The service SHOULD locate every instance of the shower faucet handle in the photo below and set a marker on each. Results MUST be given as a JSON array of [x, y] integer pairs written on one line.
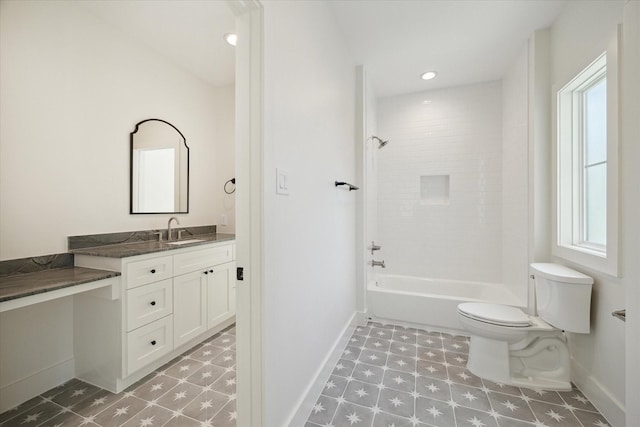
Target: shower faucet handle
[[374, 247], [378, 264]]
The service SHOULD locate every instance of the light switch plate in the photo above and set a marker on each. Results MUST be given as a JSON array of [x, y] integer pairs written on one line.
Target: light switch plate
[[282, 181]]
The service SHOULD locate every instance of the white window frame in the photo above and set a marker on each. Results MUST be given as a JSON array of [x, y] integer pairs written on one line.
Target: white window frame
[[568, 173]]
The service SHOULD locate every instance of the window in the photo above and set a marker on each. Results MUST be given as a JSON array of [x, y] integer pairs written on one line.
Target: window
[[586, 184], [594, 165]]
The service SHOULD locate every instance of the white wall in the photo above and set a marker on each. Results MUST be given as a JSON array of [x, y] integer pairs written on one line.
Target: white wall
[[309, 235], [630, 150], [225, 154], [458, 133], [72, 91], [581, 33], [515, 183]]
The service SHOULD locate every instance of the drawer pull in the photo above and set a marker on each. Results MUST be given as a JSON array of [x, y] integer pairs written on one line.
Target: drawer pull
[[152, 303], [153, 342], [153, 271]]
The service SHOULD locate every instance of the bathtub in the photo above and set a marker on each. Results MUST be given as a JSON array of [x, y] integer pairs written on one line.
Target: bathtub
[[429, 303]]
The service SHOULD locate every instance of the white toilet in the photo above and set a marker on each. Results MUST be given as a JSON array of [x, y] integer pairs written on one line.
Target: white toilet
[[511, 347]]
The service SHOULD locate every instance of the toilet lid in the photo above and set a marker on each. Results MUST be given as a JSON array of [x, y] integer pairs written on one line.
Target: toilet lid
[[496, 314]]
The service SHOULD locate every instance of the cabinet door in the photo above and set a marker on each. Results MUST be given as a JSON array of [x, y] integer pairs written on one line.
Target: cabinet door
[[218, 283], [189, 306]]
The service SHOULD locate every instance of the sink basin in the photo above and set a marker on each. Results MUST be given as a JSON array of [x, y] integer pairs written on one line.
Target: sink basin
[[185, 242]]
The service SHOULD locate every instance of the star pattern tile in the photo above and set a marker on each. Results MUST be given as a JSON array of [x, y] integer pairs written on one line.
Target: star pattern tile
[[196, 389], [387, 376], [391, 376]]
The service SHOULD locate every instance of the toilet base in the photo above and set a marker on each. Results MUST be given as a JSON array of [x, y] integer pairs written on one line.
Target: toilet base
[[541, 363]]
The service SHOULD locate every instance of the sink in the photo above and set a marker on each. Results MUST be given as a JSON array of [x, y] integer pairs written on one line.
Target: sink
[[185, 242]]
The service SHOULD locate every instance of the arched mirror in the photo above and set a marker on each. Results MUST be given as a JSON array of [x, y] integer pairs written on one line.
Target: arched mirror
[[159, 169]]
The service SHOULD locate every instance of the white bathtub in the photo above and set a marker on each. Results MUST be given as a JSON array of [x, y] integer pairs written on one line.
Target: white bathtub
[[430, 303]]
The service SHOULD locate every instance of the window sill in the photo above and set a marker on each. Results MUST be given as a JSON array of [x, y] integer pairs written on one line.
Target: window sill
[[590, 258], [590, 250]]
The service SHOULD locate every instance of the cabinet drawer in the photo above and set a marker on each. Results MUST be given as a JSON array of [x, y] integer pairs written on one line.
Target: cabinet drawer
[[149, 343], [201, 259], [149, 271], [148, 303]]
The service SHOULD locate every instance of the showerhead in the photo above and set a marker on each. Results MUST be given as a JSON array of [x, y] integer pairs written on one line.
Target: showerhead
[[381, 142]]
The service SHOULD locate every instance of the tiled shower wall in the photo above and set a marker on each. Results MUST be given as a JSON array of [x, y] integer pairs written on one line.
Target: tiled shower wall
[[453, 233]]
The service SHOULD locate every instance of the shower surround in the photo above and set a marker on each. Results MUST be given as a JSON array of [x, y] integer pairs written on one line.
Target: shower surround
[[426, 230], [452, 187]]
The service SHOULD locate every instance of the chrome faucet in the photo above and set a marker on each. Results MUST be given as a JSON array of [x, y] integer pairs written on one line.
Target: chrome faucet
[[374, 247], [377, 264], [169, 238]]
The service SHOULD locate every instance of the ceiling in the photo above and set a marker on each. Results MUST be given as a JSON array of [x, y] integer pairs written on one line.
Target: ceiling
[[465, 41], [188, 33]]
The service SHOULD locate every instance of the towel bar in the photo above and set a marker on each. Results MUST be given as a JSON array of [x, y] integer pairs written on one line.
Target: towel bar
[[346, 184]]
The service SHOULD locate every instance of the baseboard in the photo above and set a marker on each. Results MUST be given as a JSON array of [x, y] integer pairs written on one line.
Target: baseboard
[[605, 402], [306, 403], [11, 395], [459, 332]]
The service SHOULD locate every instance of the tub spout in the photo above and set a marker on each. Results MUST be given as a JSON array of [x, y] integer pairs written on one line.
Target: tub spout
[[378, 264]]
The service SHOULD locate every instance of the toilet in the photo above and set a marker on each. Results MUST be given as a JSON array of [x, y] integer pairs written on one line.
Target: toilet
[[511, 347]]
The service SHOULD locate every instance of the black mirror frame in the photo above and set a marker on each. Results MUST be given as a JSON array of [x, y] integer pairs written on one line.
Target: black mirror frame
[[184, 141]]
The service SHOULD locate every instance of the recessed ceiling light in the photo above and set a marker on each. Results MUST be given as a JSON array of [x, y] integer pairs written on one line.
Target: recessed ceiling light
[[428, 75], [231, 38]]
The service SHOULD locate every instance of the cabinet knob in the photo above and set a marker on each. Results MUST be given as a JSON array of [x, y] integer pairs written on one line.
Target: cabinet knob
[[153, 271], [153, 342], [206, 272], [210, 271], [153, 303]]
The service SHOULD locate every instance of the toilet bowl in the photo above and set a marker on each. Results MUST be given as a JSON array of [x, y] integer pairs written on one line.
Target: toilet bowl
[[509, 346]]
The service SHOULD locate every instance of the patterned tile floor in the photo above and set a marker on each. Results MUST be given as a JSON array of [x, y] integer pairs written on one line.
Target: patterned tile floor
[[390, 376], [196, 389]]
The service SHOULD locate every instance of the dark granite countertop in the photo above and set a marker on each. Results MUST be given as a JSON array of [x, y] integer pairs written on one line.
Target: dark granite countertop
[[125, 250], [22, 285]]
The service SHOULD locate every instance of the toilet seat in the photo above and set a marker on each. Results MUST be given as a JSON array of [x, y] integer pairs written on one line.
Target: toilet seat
[[495, 314]]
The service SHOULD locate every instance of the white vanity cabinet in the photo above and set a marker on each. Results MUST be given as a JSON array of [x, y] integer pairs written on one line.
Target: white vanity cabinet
[[171, 300]]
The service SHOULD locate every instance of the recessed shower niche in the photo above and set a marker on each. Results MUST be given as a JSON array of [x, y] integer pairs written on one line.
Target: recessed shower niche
[[434, 189]]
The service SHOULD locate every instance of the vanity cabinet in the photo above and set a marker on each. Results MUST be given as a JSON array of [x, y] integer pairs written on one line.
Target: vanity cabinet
[[171, 300]]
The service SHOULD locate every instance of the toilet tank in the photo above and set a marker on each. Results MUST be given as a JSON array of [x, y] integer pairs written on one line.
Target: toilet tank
[[563, 296]]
